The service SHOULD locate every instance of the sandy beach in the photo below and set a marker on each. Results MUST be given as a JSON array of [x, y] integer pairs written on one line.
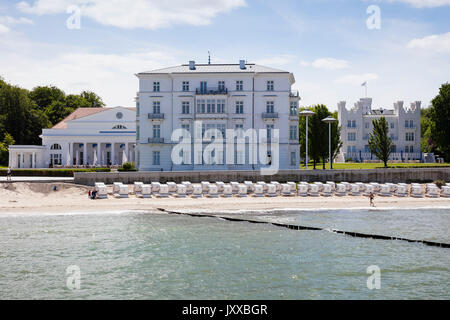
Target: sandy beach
[[40, 197]]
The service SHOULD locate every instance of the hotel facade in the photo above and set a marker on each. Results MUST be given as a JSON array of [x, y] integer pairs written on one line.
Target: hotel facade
[[356, 123], [205, 98]]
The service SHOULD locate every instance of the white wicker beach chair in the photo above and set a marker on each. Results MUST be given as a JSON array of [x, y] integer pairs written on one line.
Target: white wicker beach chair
[[277, 186], [227, 191], [172, 187], [320, 184], [332, 184], [293, 188], [271, 190], [303, 190], [263, 184], [402, 191], [341, 189], [220, 185], [235, 187], [123, 192], [155, 187], [205, 186], [189, 187], [116, 187], [445, 191], [368, 189], [326, 190], [181, 191], [163, 191], [138, 187], [416, 191], [259, 190], [213, 191], [313, 190], [285, 190], [102, 191], [354, 190], [432, 192], [146, 191], [250, 186], [197, 190], [385, 190], [242, 190]]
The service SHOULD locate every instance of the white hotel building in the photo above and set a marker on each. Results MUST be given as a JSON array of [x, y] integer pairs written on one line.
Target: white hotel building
[[87, 137], [221, 96], [356, 123]]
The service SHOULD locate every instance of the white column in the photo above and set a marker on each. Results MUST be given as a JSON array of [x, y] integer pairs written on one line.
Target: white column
[[71, 153], [126, 151], [33, 164], [22, 157], [99, 153], [85, 153], [113, 154]]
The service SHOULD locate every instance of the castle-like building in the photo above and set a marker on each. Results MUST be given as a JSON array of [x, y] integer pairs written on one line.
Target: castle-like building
[[356, 123]]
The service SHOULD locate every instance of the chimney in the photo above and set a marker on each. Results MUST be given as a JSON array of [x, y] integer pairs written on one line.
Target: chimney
[[191, 65], [242, 64]]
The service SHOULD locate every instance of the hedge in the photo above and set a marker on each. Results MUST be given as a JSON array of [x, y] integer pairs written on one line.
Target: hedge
[[50, 172]]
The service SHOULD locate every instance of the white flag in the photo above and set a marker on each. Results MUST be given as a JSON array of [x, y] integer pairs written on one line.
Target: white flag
[[364, 84]]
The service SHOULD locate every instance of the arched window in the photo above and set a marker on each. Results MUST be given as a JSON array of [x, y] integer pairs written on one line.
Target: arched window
[[55, 147], [119, 126]]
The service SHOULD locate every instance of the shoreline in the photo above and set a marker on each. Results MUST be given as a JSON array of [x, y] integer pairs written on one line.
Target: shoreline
[[70, 198]]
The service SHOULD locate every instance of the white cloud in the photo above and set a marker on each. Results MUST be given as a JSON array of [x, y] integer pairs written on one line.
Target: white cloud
[[148, 14], [326, 63], [439, 43], [279, 60], [3, 29], [357, 79], [7, 20], [424, 3]]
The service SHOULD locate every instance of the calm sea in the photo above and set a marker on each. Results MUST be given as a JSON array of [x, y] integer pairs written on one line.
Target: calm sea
[[138, 255]]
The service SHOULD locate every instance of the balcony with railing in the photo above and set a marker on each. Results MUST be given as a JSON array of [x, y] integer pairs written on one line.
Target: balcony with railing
[[270, 115], [159, 116], [211, 91], [155, 140], [294, 94]]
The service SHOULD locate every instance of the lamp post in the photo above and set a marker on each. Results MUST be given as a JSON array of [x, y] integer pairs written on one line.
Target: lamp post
[[329, 120], [307, 114]]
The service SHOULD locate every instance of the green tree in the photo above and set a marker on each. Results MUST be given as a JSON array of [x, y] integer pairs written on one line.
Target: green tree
[[427, 144], [380, 144], [57, 111], [44, 96], [4, 148], [94, 100], [440, 121]]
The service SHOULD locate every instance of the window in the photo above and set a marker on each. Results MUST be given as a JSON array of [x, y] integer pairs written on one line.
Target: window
[[185, 107], [269, 128], [351, 124], [203, 86], [354, 149], [186, 127], [156, 107], [270, 106], [407, 149], [137, 133], [239, 130], [56, 159], [239, 107], [119, 126], [349, 149], [366, 148], [293, 108], [409, 136], [392, 125], [211, 106], [394, 148], [55, 147], [156, 158], [366, 125], [411, 149], [156, 86], [221, 106], [270, 85], [221, 85], [239, 85], [201, 106], [411, 124], [156, 131], [137, 109], [185, 86], [293, 158], [293, 132], [351, 136]]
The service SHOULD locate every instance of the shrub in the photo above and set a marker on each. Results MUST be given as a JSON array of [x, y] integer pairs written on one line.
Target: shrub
[[439, 183], [128, 166], [50, 172]]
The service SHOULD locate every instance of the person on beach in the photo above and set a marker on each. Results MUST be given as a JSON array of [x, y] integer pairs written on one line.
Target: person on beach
[[8, 174], [371, 197], [94, 194], [89, 194]]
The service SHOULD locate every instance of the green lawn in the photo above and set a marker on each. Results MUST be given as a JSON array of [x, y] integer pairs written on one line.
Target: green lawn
[[354, 165]]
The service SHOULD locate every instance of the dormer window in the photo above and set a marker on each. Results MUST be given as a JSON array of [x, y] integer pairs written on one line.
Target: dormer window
[[119, 127]]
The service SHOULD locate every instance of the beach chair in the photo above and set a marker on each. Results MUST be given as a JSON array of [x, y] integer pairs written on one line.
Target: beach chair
[[263, 184], [332, 184], [172, 187], [392, 186], [250, 187], [102, 191], [271, 190], [220, 186], [401, 191], [432, 192], [259, 191], [213, 191], [138, 187], [313, 190], [277, 186], [303, 190], [326, 190], [368, 189], [227, 191], [242, 190], [116, 187], [155, 187], [362, 187], [348, 186], [181, 191], [445, 191], [354, 189], [293, 188], [146, 191], [416, 191], [189, 187], [205, 186], [123, 191], [320, 185], [385, 190], [341, 189], [376, 187], [235, 187], [163, 191], [197, 190], [285, 190]]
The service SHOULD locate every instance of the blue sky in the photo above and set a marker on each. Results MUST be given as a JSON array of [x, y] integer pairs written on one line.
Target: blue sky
[[325, 43]]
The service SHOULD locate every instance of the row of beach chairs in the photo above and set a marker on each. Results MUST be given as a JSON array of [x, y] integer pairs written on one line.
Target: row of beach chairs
[[272, 189]]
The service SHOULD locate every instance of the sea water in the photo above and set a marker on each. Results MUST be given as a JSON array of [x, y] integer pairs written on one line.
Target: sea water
[[141, 255]]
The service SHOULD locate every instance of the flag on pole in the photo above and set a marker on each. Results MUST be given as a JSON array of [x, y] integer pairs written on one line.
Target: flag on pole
[[124, 157], [95, 158], [364, 84]]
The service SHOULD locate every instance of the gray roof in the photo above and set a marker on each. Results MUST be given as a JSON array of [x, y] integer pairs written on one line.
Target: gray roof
[[216, 68]]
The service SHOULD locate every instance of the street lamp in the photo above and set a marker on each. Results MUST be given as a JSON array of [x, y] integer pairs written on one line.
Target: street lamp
[[330, 121], [307, 114]]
